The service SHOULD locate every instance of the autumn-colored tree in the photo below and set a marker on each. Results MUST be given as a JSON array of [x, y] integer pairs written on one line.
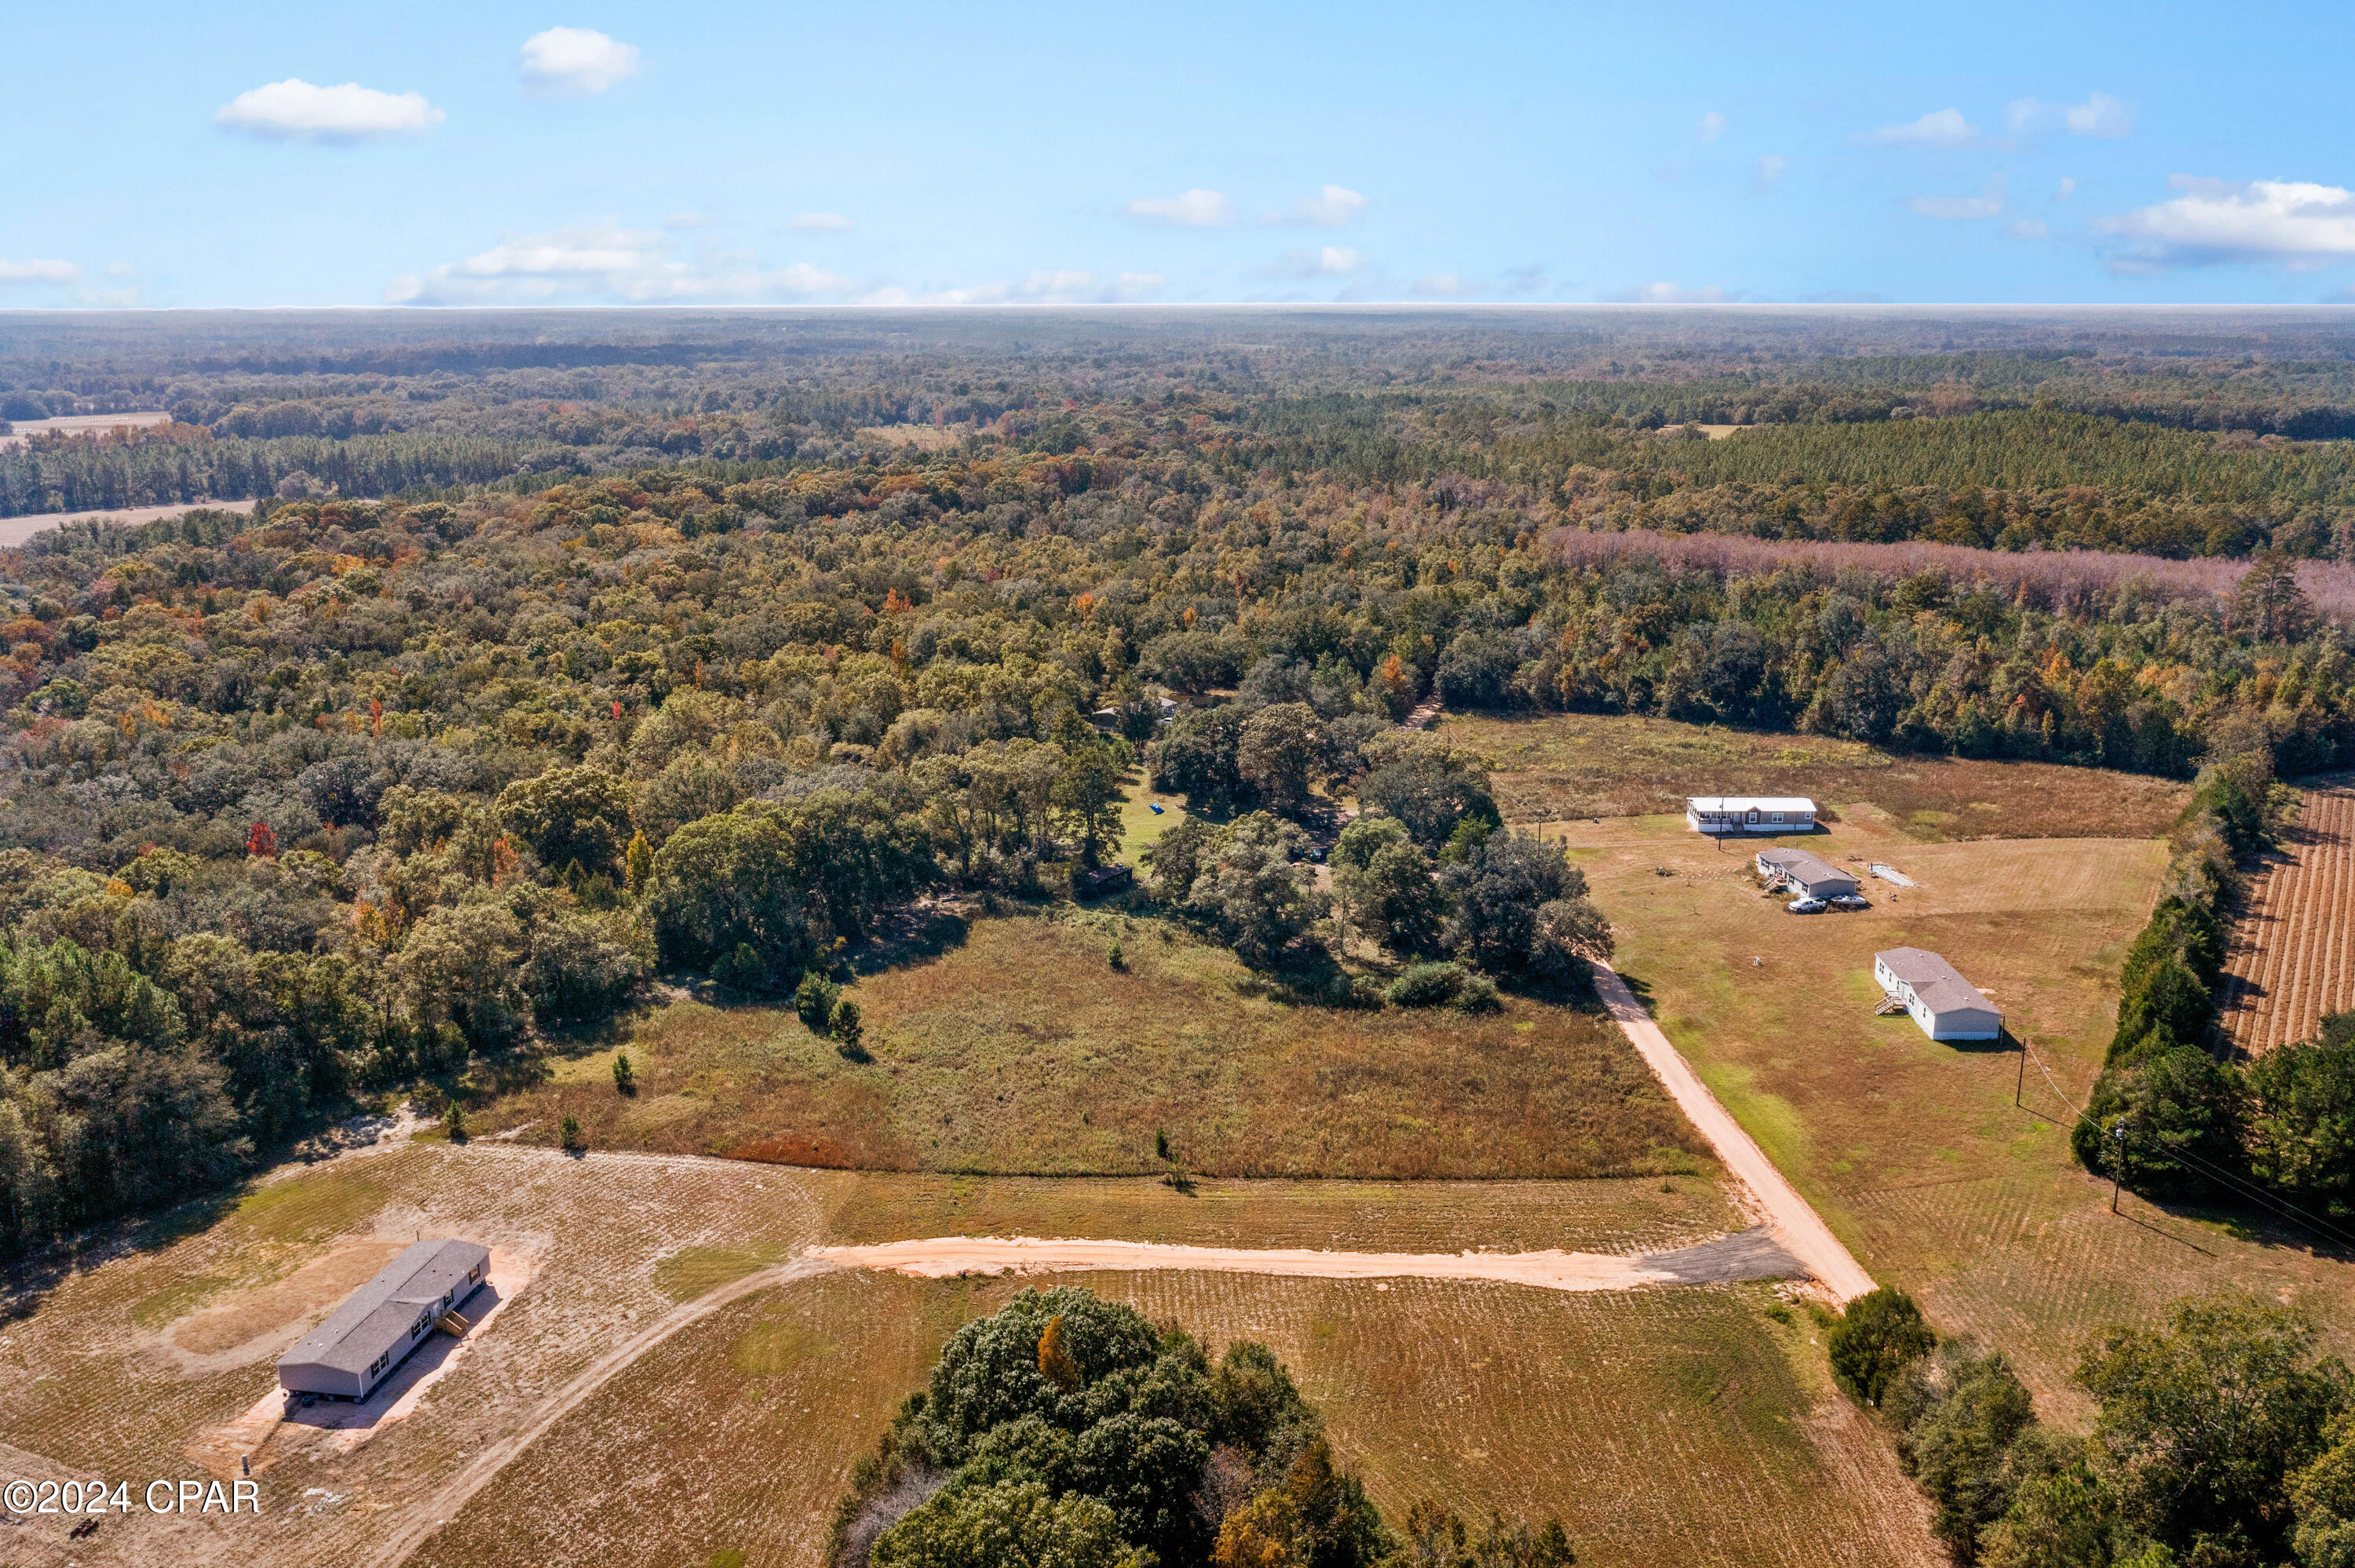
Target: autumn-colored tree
[[1055, 1362], [260, 842]]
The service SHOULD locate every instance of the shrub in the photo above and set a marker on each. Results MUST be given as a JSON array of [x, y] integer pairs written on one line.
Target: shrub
[[1873, 1341], [814, 1001], [1116, 958], [453, 1121], [1427, 985], [741, 969], [625, 1079], [1478, 995], [567, 1134], [849, 1032]]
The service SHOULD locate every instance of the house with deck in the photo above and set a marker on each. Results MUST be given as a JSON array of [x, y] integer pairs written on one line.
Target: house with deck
[[1750, 814], [1936, 995], [377, 1326]]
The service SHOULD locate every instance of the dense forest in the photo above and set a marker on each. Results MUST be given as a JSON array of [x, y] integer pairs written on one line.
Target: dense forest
[[309, 805], [2216, 434]]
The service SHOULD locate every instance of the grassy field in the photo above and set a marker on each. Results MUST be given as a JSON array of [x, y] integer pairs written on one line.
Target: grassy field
[[1913, 1151], [1664, 1429], [1672, 1426], [1022, 1050], [1558, 766]]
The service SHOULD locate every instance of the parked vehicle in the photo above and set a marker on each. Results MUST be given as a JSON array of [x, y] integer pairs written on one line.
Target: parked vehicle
[[1805, 907], [1850, 901]]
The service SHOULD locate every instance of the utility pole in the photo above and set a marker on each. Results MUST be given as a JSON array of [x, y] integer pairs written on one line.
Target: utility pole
[[2117, 1163], [2020, 1089]]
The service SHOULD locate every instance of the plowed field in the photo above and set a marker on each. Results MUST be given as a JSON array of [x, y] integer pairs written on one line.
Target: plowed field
[[2293, 957]]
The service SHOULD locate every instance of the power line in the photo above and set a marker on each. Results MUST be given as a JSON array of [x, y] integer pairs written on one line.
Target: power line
[[2196, 1165]]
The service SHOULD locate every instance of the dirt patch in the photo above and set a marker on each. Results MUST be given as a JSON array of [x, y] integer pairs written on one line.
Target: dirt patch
[[314, 1289]]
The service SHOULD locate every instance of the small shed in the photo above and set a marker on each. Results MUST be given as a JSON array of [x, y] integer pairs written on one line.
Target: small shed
[[378, 1324], [1936, 996], [1750, 814], [1811, 875], [1102, 879]]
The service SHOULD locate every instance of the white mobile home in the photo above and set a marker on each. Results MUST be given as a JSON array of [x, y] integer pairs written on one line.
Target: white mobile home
[[1941, 1000], [1750, 814], [1810, 874], [378, 1324]]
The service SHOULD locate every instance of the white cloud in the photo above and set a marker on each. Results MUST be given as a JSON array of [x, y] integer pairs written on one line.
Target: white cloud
[[38, 271], [118, 269], [2296, 223], [1940, 128], [2063, 191], [576, 62], [2100, 116], [1712, 126], [295, 110], [1330, 208], [1671, 294], [1187, 209], [605, 260], [1047, 286], [1325, 261], [1768, 169], [1988, 203], [1439, 285], [2028, 229], [819, 223]]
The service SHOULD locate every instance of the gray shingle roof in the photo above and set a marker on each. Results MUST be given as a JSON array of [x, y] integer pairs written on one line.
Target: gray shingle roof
[[1807, 868], [379, 1315], [1937, 982]]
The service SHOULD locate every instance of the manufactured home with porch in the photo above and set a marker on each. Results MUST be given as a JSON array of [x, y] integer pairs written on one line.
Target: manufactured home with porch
[[1812, 876], [1750, 814], [1935, 996], [378, 1324]]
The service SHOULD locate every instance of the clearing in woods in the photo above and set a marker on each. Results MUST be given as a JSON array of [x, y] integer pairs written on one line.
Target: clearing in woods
[[2293, 955], [1019, 1050], [1668, 1424], [1560, 766], [1914, 1151]]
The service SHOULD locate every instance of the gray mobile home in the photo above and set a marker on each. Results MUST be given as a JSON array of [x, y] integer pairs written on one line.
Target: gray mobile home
[[1936, 996], [378, 1324], [1811, 875]]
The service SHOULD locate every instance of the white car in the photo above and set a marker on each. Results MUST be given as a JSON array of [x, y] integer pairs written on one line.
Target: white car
[[1805, 907], [1850, 901]]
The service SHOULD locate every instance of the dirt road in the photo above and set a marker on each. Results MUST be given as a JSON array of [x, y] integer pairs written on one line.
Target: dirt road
[[1794, 1222], [1752, 1256], [14, 531], [425, 1518]]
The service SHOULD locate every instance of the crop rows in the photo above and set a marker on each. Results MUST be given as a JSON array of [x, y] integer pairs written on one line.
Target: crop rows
[[2293, 957]]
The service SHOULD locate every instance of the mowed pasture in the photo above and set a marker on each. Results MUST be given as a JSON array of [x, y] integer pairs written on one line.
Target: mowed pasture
[[1687, 1425], [2293, 956], [1558, 768], [1913, 1151], [1021, 1051]]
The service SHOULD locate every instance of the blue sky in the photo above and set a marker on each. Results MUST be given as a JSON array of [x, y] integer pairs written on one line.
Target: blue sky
[[732, 153]]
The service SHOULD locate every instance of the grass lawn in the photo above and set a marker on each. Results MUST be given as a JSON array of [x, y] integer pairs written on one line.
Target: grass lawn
[[1021, 1051], [1913, 1151], [1552, 768]]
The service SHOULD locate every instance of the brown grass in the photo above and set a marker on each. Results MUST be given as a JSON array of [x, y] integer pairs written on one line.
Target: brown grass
[[311, 1288], [1562, 767], [1664, 1428], [1665, 1425], [2293, 954], [1914, 1151], [1022, 1050]]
